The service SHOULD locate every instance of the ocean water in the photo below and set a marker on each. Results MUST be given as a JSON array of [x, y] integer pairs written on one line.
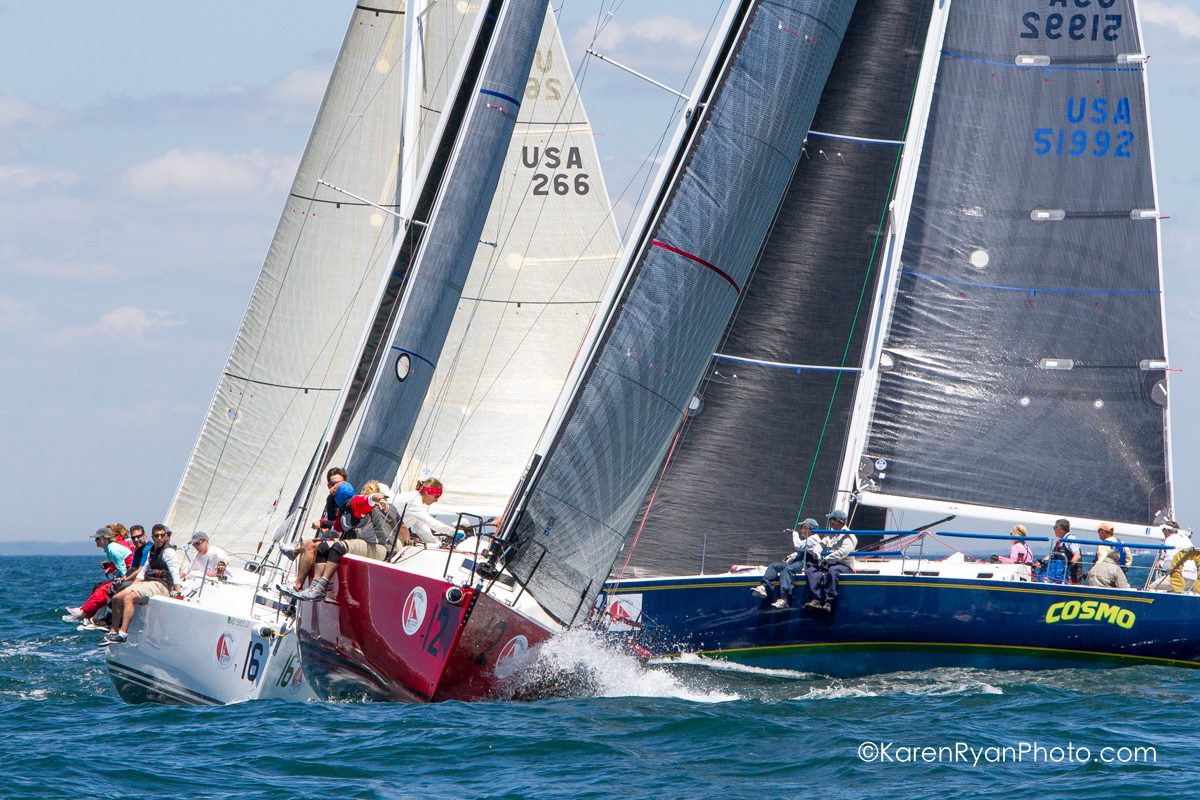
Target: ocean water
[[688, 729]]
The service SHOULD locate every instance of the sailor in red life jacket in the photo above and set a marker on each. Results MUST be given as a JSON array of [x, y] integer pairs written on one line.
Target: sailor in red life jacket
[[350, 525]]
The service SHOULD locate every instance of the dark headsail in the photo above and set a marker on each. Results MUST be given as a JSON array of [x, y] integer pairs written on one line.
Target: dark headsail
[[765, 440]]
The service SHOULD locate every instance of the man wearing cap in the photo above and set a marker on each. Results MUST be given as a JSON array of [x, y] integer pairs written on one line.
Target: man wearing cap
[[806, 552], [207, 557], [835, 561], [1108, 534], [1179, 542], [1106, 573]]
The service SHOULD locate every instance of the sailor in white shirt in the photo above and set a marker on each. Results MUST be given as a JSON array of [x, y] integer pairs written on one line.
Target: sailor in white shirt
[[206, 559], [416, 507], [1179, 541]]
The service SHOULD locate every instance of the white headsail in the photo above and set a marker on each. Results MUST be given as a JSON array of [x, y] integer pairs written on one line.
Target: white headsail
[[301, 331]]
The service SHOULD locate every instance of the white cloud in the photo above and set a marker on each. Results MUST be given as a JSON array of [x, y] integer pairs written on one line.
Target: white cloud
[[207, 172], [17, 314], [23, 176], [659, 45], [127, 323], [1181, 18], [301, 87], [658, 30], [18, 113]]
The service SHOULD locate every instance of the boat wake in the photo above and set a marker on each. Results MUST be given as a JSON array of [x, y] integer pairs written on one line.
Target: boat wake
[[931, 683], [581, 663], [720, 665]]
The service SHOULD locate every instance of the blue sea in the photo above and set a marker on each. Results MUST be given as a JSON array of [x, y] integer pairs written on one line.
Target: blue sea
[[696, 729]]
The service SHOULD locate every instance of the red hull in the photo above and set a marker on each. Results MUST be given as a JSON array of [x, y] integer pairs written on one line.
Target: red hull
[[391, 634]]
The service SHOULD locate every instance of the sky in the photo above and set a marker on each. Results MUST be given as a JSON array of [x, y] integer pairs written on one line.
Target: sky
[[145, 154]]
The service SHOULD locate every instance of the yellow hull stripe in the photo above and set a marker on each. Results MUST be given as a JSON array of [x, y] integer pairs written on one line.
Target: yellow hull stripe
[[836, 646], [998, 587]]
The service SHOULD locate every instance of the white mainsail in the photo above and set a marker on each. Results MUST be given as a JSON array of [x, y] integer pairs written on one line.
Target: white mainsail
[[301, 331]]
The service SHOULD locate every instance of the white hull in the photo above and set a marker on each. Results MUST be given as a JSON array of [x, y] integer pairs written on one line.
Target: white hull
[[219, 647]]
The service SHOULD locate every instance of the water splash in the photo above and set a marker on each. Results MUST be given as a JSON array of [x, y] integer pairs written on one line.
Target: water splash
[[583, 663], [721, 665]]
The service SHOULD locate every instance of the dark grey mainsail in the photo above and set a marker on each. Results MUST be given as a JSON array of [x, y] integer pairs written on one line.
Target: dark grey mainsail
[[764, 442], [693, 256], [1025, 362], [435, 282]]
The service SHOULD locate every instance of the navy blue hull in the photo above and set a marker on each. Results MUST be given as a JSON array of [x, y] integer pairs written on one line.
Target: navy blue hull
[[886, 623]]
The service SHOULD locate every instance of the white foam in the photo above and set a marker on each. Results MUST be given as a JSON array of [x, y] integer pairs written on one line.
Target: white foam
[[937, 683], [721, 665], [611, 671]]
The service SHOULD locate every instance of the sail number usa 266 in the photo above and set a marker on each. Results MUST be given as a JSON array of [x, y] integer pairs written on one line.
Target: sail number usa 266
[[564, 176]]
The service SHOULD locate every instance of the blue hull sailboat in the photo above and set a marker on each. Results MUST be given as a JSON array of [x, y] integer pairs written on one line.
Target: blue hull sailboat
[[958, 311]]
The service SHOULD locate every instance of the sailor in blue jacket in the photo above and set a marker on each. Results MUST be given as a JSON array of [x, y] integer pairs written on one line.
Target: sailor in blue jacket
[[806, 553]]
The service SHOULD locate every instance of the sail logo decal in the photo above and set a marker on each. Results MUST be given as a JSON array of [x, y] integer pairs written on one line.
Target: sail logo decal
[[414, 610], [624, 612], [512, 656], [1083, 610], [224, 651]]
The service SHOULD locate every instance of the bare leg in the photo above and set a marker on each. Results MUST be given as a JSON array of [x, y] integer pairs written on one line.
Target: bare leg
[[304, 561], [118, 602], [129, 606]]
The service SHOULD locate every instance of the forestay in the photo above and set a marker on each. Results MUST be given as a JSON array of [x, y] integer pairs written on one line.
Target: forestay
[[301, 331], [764, 438], [549, 246], [713, 211], [1024, 367]]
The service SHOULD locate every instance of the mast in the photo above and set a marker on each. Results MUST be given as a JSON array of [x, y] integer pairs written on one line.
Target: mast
[[442, 253], [897, 227], [549, 246]]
